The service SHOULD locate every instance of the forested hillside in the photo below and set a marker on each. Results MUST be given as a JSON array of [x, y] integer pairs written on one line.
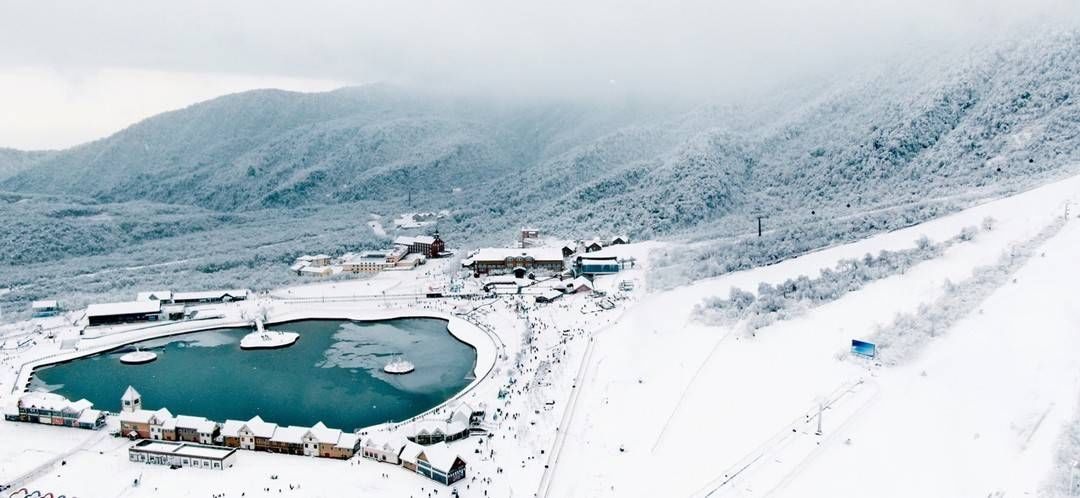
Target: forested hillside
[[990, 120], [13, 161]]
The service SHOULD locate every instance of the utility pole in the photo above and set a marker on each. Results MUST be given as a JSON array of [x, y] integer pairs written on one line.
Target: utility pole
[[1073, 484], [759, 225], [820, 411]]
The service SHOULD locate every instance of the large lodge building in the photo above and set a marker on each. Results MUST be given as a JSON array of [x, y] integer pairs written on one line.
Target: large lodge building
[[497, 261]]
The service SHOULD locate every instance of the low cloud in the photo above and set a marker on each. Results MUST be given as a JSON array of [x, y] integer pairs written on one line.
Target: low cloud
[[684, 49]]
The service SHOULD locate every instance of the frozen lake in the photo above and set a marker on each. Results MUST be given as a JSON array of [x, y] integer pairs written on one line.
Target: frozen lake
[[332, 374]]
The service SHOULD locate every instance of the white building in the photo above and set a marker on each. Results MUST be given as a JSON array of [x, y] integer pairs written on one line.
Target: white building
[[123, 312], [182, 454], [383, 447], [212, 296], [367, 262]]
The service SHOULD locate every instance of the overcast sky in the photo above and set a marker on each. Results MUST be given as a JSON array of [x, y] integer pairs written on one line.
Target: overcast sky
[[76, 71]]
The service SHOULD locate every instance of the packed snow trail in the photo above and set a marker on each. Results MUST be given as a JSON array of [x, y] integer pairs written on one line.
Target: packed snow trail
[[708, 418], [780, 454], [980, 411], [568, 413]]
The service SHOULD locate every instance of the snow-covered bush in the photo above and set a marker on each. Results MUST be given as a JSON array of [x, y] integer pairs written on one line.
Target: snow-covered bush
[[790, 297], [905, 336], [1064, 473]]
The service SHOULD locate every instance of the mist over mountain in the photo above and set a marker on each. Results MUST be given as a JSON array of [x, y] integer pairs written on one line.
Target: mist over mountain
[[948, 126], [13, 161]]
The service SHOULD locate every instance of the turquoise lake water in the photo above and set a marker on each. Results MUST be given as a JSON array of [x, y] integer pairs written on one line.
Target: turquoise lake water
[[332, 374]]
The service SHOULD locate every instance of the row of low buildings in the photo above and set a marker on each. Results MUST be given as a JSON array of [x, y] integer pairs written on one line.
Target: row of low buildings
[[407, 252], [530, 237], [375, 261], [158, 305], [421, 445], [186, 441], [316, 441], [543, 260], [254, 434], [575, 257], [54, 409], [422, 449], [137, 422]]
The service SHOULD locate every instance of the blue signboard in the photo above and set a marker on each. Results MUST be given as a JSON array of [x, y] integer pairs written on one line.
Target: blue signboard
[[867, 349]]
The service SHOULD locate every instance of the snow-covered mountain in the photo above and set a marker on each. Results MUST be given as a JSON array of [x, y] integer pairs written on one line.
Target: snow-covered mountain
[[1001, 118]]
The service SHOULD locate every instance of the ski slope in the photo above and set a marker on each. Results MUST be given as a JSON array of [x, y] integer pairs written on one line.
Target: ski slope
[[673, 407]]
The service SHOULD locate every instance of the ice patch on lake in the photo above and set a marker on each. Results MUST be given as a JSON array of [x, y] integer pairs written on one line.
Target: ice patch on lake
[[210, 339], [37, 385], [370, 346], [365, 347]]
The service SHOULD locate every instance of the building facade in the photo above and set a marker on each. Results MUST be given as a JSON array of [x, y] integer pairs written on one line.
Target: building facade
[[182, 455], [124, 312], [500, 261], [53, 409], [597, 263]]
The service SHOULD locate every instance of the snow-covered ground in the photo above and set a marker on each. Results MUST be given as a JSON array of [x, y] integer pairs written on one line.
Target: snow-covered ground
[[521, 347], [376, 225], [690, 406], [644, 400]]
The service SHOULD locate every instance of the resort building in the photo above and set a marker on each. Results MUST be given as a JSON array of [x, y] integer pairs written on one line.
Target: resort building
[[409, 452], [191, 429], [436, 462], [125, 312], [579, 285], [431, 246], [320, 440], [597, 263], [230, 434], [53, 409], [319, 260], [43, 309], [396, 254], [254, 434], [619, 240], [314, 271], [436, 430], [549, 295], [213, 296], [530, 237], [569, 248], [161, 424], [182, 455], [347, 446], [594, 246], [371, 261], [288, 440], [383, 447], [518, 261], [136, 422]]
